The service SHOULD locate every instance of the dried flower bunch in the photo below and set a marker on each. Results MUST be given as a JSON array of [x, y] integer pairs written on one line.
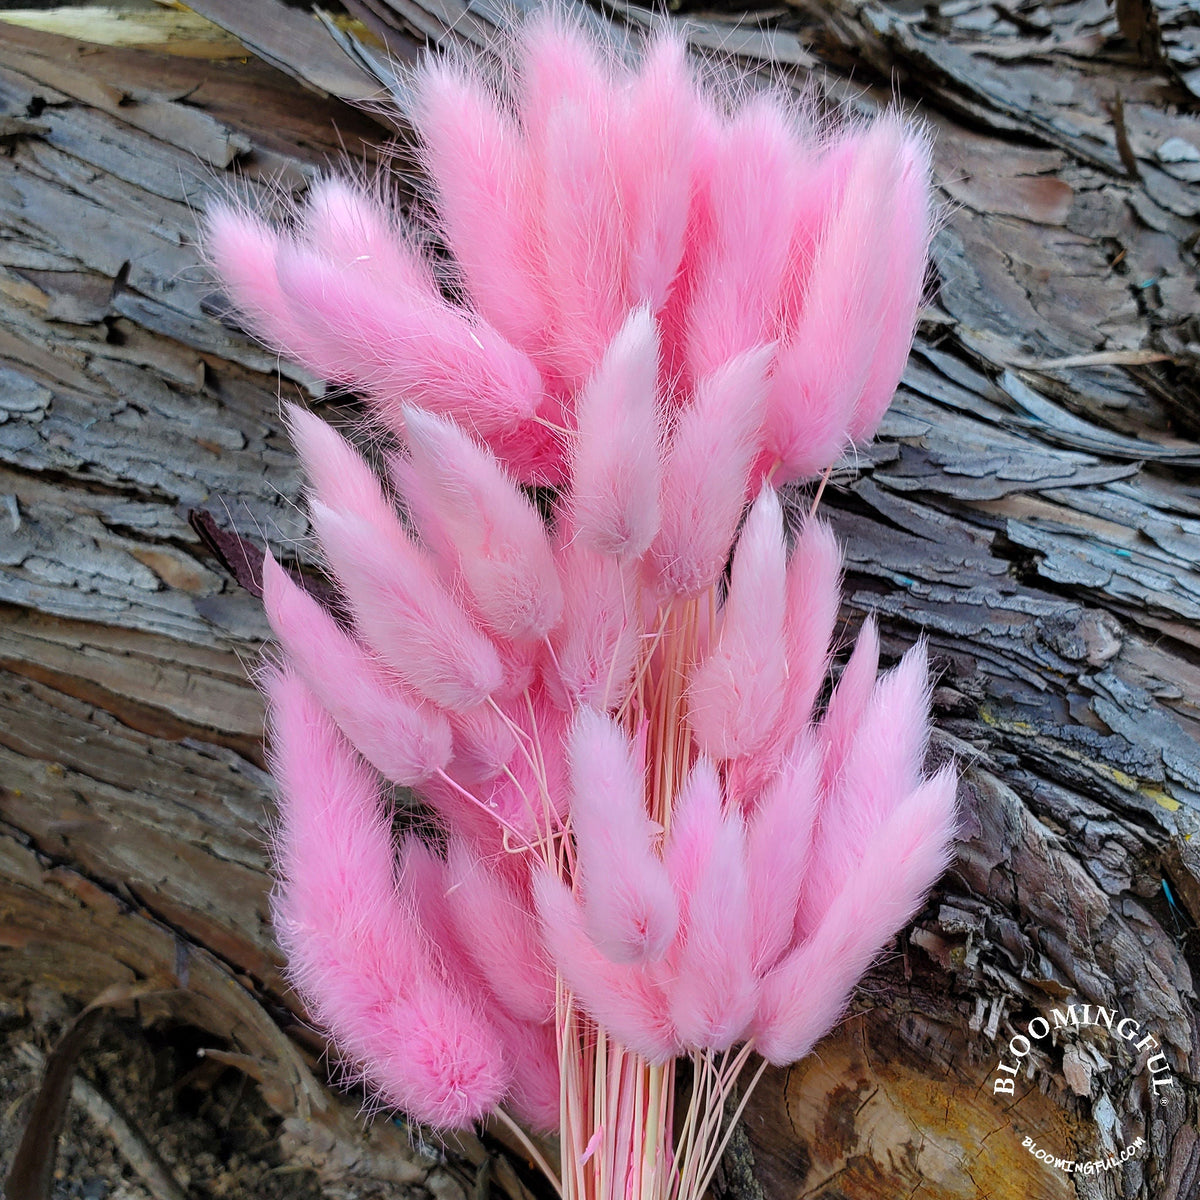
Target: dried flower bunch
[[650, 845]]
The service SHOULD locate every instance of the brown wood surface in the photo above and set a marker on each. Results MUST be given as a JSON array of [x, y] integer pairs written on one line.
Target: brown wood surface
[[1033, 506]]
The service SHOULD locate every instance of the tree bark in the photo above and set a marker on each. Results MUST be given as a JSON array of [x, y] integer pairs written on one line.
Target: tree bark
[[1031, 508]]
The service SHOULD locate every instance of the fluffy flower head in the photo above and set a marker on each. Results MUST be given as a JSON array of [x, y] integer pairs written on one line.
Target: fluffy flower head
[[665, 306]]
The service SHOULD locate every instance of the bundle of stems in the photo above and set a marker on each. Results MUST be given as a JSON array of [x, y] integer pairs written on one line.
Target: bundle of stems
[[573, 619], [618, 1127]]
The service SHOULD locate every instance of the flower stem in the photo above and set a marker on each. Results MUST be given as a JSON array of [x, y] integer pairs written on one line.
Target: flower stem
[[618, 1137]]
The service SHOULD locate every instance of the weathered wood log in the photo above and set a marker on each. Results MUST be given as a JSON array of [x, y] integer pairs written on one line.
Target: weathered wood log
[[1031, 507]]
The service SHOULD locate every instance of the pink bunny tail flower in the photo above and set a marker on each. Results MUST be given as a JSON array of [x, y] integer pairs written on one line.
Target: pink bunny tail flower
[[355, 232], [596, 643], [890, 742], [813, 596], [735, 694], [657, 165], [850, 309], [625, 998], [848, 703], [478, 162], [338, 476], [712, 986], [752, 193], [441, 1061], [484, 744], [903, 277], [779, 846], [331, 822], [570, 109], [242, 249], [629, 906], [404, 344], [705, 480], [404, 739], [421, 889], [499, 928], [803, 997], [404, 612], [534, 1094], [502, 548], [616, 466], [882, 766], [363, 966]]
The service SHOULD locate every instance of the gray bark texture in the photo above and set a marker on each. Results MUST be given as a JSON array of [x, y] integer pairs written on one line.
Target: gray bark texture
[[1032, 507]]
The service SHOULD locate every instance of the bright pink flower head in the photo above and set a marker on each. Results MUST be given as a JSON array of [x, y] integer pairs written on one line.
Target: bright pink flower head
[[666, 305], [612, 189]]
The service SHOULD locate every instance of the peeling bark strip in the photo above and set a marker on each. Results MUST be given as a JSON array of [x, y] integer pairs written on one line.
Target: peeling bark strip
[[1031, 507]]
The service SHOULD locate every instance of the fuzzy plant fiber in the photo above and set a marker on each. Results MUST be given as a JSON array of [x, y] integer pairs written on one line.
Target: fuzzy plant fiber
[[660, 304]]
